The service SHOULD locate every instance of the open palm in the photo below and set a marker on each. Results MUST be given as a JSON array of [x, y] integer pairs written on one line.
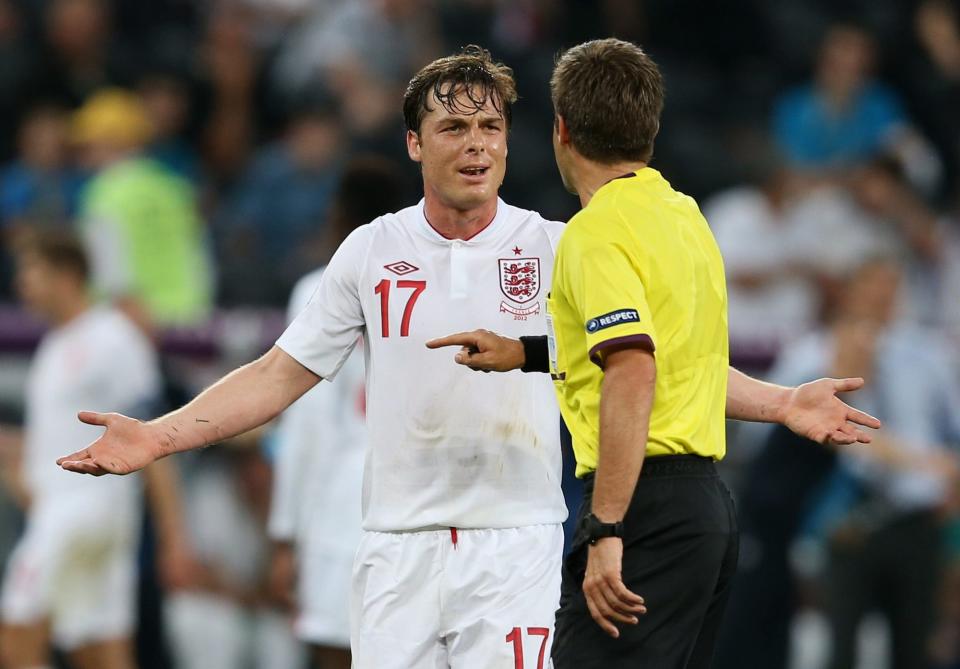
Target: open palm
[[126, 446], [814, 411]]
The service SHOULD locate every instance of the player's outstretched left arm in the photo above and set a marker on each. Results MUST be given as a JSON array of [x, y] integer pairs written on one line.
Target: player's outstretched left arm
[[242, 400], [811, 410]]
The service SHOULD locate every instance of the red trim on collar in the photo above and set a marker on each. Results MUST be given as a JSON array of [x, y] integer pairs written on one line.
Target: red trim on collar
[[466, 239]]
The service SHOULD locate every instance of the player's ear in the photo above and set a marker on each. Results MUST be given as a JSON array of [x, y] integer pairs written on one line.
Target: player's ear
[[413, 146]]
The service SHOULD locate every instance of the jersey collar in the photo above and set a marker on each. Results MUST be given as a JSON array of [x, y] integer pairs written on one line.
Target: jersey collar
[[644, 174], [481, 237]]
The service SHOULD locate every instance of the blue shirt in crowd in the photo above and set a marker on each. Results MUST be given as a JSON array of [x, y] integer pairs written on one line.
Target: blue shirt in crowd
[[812, 135]]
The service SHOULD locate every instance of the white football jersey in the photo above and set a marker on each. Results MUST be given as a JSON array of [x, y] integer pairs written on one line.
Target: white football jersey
[[449, 447], [99, 361]]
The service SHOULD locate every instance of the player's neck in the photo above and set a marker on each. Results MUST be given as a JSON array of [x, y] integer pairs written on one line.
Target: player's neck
[[590, 176], [68, 311], [455, 223]]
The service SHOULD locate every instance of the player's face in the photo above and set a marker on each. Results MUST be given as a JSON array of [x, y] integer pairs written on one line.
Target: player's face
[[463, 153]]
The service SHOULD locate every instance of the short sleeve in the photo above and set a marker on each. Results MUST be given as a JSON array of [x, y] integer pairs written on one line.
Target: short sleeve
[[608, 293], [322, 336]]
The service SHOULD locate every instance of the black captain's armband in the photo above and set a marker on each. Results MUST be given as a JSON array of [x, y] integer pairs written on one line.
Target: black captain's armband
[[536, 357]]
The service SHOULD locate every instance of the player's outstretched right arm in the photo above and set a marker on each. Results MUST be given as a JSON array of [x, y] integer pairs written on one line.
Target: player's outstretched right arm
[[242, 400]]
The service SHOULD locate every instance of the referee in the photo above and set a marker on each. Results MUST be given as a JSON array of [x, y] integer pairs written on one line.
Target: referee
[[638, 351], [639, 316]]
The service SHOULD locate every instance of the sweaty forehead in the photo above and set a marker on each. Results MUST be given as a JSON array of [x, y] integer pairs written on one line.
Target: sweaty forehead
[[452, 100]]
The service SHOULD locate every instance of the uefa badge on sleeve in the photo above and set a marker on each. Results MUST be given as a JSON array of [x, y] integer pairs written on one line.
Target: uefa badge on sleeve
[[611, 319]]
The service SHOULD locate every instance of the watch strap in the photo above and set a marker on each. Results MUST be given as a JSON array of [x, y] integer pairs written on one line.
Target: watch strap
[[597, 529]]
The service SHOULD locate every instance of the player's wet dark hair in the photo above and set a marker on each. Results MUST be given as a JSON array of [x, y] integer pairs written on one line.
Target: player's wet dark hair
[[472, 72], [610, 95]]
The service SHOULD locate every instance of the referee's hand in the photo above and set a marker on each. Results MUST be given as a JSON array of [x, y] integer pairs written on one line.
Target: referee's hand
[[814, 411], [607, 597], [483, 350]]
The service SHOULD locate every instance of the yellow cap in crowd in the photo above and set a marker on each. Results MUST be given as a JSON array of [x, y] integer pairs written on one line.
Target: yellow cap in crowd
[[112, 115]]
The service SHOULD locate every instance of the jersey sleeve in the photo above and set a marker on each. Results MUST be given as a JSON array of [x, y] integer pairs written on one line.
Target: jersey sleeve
[[607, 292], [324, 333]]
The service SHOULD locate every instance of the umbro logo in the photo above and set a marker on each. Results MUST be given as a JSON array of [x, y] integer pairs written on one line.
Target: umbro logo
[[401, 268]]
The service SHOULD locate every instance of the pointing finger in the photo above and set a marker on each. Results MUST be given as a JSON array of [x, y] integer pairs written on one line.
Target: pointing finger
[[459, 339]]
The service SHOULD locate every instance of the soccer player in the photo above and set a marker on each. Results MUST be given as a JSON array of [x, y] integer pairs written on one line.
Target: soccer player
[[637, 347], [459, 563], [321, 443], [71, 580]]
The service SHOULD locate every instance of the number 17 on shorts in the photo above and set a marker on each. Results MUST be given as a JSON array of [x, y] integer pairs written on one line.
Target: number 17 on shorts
[[516, 638]]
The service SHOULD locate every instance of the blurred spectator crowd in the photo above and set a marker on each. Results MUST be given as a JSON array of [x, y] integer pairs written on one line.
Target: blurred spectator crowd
[[195, 147]]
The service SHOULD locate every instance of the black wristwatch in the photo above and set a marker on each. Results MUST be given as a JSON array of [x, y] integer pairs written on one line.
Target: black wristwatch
[[597, 529]]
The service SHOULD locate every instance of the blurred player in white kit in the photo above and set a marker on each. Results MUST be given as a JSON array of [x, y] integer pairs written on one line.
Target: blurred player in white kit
[[321, 443], [459, 561], [71, 580]]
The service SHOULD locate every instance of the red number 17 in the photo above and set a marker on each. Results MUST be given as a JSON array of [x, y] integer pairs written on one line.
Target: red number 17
[[383, 290], [516, 637]]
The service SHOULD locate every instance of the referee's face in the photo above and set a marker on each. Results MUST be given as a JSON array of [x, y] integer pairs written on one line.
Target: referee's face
[[462, 148]]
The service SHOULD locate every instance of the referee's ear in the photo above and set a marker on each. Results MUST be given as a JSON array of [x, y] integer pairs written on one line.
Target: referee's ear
[[561, 129]]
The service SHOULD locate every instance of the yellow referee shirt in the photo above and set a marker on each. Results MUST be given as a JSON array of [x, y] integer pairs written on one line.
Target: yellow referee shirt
[[639, 265]]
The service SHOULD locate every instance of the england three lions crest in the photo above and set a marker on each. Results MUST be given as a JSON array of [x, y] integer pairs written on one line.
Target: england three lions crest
[[520, 278]]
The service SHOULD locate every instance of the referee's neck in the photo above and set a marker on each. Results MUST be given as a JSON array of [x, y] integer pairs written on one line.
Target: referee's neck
[[589, 176]]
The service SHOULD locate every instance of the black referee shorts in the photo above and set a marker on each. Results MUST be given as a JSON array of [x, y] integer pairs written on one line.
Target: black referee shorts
[[680, 553]]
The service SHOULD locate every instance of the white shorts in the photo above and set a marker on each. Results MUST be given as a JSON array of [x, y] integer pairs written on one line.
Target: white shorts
[[323, 597], [421, 601], [76, 567]]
